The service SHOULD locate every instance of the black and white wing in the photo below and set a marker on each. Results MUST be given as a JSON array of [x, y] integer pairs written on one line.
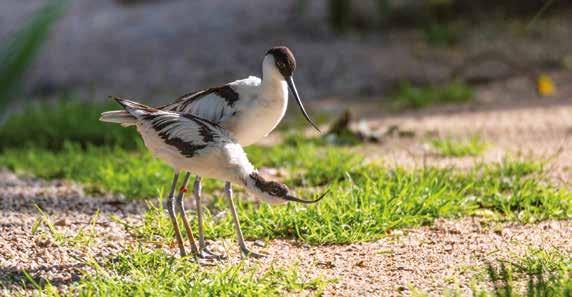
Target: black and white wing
[[189, 134], [214, 104]]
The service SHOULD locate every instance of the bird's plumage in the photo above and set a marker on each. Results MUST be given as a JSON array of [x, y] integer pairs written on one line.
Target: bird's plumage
[[188, 142], [203, 132], [249, 109], [234, 106], [191, 143]]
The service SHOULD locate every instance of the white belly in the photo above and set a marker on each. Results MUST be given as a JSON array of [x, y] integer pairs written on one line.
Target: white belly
[[219, 161]]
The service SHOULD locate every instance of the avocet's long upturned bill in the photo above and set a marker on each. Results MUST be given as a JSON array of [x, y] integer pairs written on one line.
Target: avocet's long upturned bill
[[248, 109], [190, 143]]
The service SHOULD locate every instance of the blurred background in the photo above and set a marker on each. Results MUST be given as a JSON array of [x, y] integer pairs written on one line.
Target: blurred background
[[155, 50], [357, 60]]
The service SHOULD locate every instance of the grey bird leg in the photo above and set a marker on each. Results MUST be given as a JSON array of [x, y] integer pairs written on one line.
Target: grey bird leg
[[204, 252], [241, 243], [181, 208], [171, 209]]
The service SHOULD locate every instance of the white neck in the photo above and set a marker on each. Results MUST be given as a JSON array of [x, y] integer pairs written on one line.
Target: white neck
[[271, 76]]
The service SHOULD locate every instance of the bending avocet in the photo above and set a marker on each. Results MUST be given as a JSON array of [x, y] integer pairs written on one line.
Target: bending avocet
[[190, 143], [249, 109]]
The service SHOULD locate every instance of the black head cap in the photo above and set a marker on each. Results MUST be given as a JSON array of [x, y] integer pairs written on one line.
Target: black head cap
[[284, 60]]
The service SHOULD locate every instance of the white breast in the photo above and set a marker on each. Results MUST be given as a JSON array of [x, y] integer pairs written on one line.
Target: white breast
[[258, 114]]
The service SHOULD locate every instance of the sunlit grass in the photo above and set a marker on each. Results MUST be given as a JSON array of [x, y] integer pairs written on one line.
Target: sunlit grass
[[538, 273], [366, 199], [51, 126], [410, 96], [450, 147], [141, 272]]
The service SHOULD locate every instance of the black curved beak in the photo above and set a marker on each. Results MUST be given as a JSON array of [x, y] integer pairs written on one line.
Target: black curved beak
[[296, 199], [292, 86]]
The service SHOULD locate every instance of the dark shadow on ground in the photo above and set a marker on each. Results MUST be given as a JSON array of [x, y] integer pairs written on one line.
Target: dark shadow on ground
[[12, 278]]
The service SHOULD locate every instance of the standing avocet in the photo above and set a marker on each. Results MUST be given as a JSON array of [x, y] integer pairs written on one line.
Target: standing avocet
[[187, 142], [249, 109]]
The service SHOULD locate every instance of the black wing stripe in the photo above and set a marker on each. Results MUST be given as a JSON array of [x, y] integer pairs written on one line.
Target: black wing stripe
[[206, 128], [162, 124], [226, 92]]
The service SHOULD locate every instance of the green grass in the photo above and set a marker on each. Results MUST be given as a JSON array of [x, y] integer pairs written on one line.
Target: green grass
[[409, 96], [140, 272], [50, 126], [366, 200], [538, 273], [449, 147]]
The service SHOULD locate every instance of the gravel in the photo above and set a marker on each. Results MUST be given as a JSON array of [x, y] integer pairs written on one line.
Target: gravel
[[71, 212], [426, 258], [509, 116]]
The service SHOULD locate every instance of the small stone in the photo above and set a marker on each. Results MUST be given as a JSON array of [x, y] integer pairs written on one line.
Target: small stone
[[62, 222], [361, 264], [260, 243]]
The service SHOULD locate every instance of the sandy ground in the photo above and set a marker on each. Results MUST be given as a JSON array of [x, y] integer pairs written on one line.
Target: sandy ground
[[431, 259], [508, 116]]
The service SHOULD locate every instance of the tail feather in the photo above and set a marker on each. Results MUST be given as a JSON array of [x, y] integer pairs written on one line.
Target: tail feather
[[118, 116], [128, 116], [131, 106]]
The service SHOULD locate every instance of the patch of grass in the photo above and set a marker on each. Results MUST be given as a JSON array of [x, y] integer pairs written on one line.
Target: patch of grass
[[539, 273], [409, 96], [449, 147], [44, 226], [135, 174], [50, 126], [140, 272], [365, 201]]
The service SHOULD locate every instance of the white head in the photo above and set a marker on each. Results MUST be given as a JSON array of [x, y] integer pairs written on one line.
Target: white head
[[279, 64], [272, 192]]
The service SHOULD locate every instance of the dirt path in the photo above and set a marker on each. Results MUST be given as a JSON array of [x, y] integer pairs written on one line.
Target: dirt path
[[428, 258]]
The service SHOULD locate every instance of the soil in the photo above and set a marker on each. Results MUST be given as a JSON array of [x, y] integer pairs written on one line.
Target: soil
[[431, 259], [509, 116]]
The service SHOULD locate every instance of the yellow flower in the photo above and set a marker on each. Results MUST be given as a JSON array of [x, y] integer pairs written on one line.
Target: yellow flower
[[545, 85]]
